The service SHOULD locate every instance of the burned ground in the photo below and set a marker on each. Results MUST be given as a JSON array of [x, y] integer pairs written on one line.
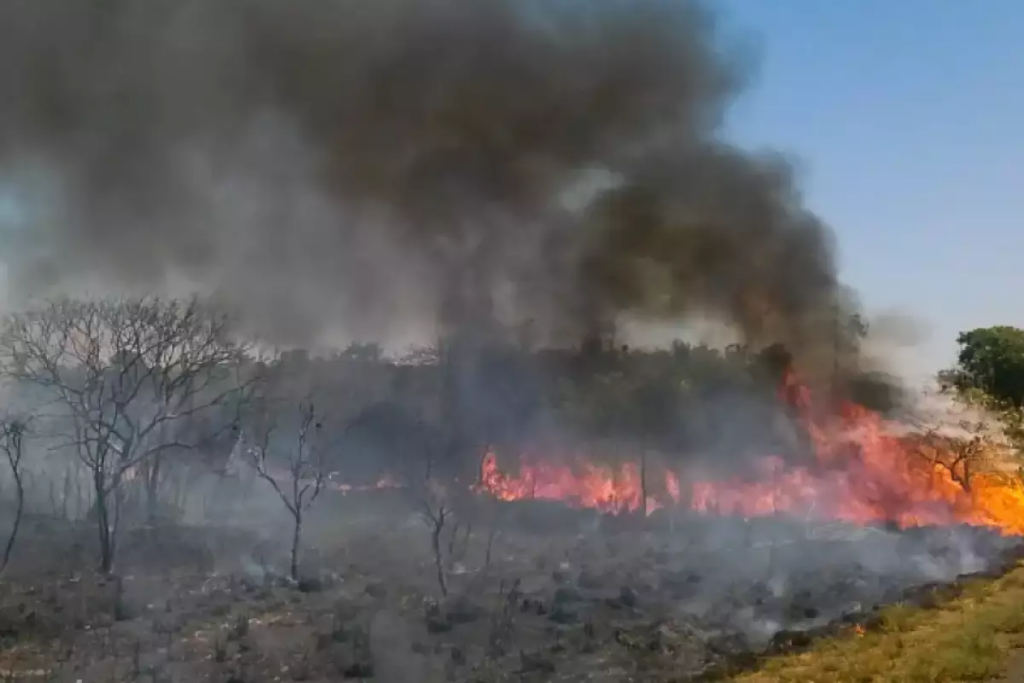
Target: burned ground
[[564, 595]]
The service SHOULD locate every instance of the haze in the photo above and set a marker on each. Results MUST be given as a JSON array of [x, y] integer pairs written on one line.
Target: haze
[[899, 118]]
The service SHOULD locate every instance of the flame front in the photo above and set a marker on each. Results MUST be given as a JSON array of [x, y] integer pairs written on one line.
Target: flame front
[[583, 484], [863, 472]]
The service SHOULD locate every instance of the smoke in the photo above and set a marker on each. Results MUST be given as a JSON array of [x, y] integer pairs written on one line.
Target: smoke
[[393, 165]]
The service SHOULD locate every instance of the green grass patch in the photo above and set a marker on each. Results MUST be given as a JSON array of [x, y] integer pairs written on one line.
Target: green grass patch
[[968, 638]]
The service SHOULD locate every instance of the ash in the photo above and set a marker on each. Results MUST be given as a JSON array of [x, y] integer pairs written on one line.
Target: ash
[[535, 591]]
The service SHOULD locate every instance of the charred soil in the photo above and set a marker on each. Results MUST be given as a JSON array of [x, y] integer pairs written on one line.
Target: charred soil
[[586, 597]]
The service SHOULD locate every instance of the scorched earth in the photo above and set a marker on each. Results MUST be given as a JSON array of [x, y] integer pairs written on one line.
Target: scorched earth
[[547, 572]]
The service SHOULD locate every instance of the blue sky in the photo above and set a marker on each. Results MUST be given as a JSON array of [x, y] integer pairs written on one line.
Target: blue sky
[[906, 118]]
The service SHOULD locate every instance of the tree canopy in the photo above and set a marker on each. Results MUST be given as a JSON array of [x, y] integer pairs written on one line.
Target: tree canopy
[[991, 359]]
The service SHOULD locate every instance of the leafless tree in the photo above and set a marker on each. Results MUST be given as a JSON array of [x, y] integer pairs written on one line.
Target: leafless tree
[[963, 439], [125, 376], [305, 469], [494, 519], [436, 513], [960, 456], [12, 443], [436, 503]]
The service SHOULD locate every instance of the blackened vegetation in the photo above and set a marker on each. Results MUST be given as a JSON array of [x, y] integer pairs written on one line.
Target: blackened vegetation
[[687, 402], [622, 603], [517, 175], [927, 596], [431, 578]]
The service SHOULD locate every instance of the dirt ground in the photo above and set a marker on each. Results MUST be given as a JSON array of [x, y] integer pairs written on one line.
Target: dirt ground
[[552, 595]]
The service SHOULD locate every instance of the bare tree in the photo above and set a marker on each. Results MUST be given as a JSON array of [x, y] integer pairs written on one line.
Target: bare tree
[[305, 470], [125, 376], [436, 505], [961, 456], [12, 443], [961, 437], [436, 513], [494, 519]]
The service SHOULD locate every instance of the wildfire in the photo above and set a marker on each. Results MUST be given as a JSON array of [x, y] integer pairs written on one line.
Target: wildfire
[[583, 484], [865, 472]]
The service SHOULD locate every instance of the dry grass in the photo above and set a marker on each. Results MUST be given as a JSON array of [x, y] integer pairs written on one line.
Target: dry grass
[[969, 638]]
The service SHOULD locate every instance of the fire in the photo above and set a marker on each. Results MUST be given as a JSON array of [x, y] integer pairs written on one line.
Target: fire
[[583, 483], [864, 472]]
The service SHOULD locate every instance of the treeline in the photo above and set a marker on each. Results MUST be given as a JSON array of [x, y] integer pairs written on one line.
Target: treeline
[[683, 400], [127, 406], [145, 396]]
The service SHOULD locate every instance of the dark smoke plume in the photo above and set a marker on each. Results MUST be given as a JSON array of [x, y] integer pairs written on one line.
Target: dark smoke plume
[[342, 162]]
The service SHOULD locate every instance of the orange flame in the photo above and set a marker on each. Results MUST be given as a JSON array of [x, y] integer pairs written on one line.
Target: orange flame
[[583, 484], [863, 472]]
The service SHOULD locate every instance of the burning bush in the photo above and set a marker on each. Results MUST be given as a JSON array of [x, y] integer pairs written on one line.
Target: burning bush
[[866, 470]]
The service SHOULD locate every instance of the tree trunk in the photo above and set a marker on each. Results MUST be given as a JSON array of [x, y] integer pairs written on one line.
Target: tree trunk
[[103, 526], [180, 492], [19, 491], [643, 480], [965, 481], [153, 488], [115, 526], [491, 534], [65, 493], [452, 540], [435, 542], [80, 507], [294, 570]]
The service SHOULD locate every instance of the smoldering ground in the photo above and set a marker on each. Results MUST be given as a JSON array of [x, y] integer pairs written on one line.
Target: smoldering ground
[[566, 596], [394, 164]]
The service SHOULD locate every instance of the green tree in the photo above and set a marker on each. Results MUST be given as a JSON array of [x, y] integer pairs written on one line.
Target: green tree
[[991, 359]]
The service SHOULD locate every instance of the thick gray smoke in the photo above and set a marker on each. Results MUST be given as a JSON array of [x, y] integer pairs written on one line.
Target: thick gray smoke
[[341, 162]]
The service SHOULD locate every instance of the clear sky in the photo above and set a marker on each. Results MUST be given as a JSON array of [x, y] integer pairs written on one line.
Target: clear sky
[[906, 117]]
